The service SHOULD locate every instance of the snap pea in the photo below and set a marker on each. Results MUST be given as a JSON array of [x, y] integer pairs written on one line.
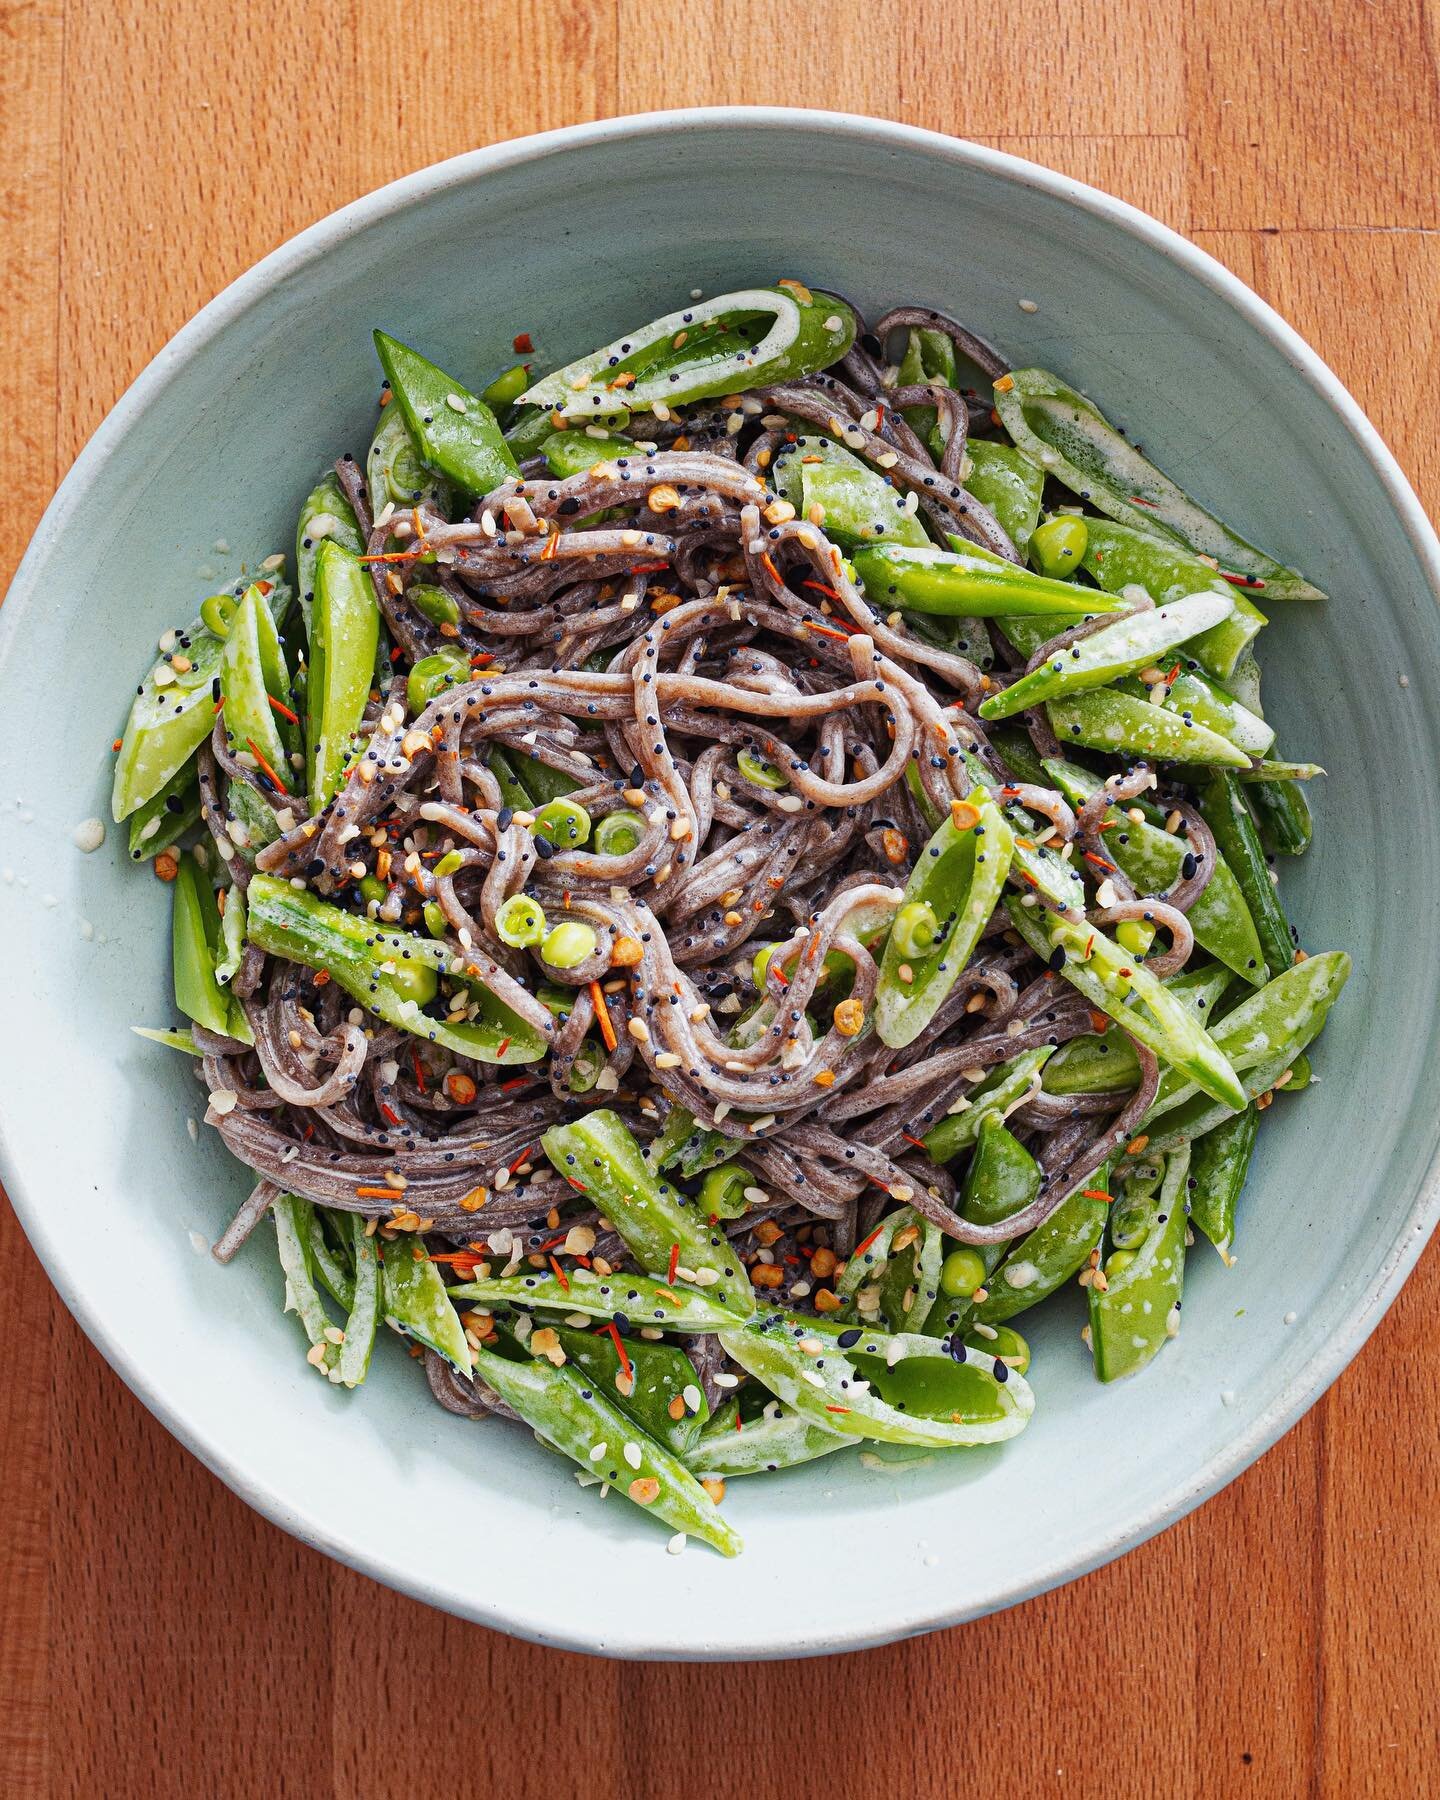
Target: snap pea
[[1072, 440], [929, 357], [1219, 1163], [364, 1312], [568, 944], [640, 1299], [173, 1040], [232, 936], [390, 973], [1046, 1258], [1119, 724], [1194, 695], [1266, 769], [454, 430], [344, 633], [618, 833], [414, 1300], [1152, 859], [507, 387], [959, 876], [598, 1156], [664, 1148], [1283, 813], [873, 1258], [1002, 1341], [394, 473], [1107, 1063], [1112, 980], [434, 603], [922, 1397], [1138, 1309], [520, 921], [252, 673], [166, 816], [1129, 643], [327, 513], [572, 452], [1003, 1179], [1222, 806], [722, 1192], [570, 1412], [1006, 481], [196, 938], [1121, 556], [563, 823], [733, 341], [252, 824], [331, 1267], [432, 675], [779, 1438], [858, 505], [661, 1379], [1001, 1090], [970, 584], [292, 1232]]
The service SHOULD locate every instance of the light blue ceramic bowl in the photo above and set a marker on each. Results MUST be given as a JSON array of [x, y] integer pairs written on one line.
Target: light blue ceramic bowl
[[573, 236]]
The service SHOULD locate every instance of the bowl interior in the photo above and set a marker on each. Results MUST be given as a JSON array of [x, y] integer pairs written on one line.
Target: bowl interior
[[572, 239]]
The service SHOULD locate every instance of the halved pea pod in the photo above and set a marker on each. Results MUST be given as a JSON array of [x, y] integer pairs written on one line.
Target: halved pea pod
[[1005, 480], [1003, 1089], [1219, 1163], [394, 472], [326, 513], [454, 430], [416, 1302], [970, 583], [166, 816], [638, 1298], [197, 943], [1138, 1309], [1107, 1063], [252, 675], [659, 1388], [857, 505], [1120, 725]]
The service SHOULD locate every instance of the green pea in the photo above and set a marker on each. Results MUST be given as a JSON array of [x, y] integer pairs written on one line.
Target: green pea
[[432, 675], [435, 921], [722, 1192], [915, 929], [1058, 546], [450, 863], [414, 980], [763, 774], [520, 921], [1006, 1343], [618, 833], [1135, 935], [564, 824], [435, 604], [961, 1273], [569, 945], [218, 612], [1117, 1261], [506, 389], [372, 888]]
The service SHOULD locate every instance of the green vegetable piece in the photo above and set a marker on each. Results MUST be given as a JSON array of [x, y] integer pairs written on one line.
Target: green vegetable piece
[[1222, 805], [1003, 1089], [962, 1272], [327, 513], [1283, 813], [664, 1149], [390, 973], [507, 388], [1071, 439], [929, 357], [252, 670], [196, 945], [643, 1300], [598, 1155], [569, 1411], [454, 430], [216, 612], [564, 824], [1301, 1074], [658, 1376], [1002, 1180], [1107, 1063], [1219, 1163], [1121, 725], [1009, 484], [520, 921], [166, 816], [1118, 649], [170, 718], [573, 452], [1002, 1341], [344, 634], [434, 604], [430, 677], [1112, 980], [1046, 1258], [364, 1316], [735, 341], [1133, 1316], [971, 584], [779, 1439], [959, 877], [915, 929], [1193, 695], [394, 471], [1057, 547], [763, 774], [331, 1266], [568, 944], [618, 833], [722, 1192], [173, 1040], [858, 506], [292, 1232], [415, 1301]]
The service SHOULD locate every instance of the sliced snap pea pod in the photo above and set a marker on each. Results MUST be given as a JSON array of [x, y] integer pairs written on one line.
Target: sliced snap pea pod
[[1071, 439], [735, 341], [570, 1412], [778, 1439], [232, 936], [959, 877], [1009, 484], [859, 505], [166, 816], [1057, 547], [1107, 1063], [1219, 1163], [659, 1384], [1152, 858], [971, 584], [455, 431], [1121, 556], [572, 452], [1265, 769], [1112, 980], [1121, 725], [252, 671], [1284, 815], [330, 1266], [1138, 1309], [1222, 805], [390, 973], [999, 1093], [874, 1256], [898, 1388], [415, 1300], [327, 513], [252, 825], [929, 357], [1046, 1258], [1003, 1179], [598, 1156], [1037, 866], [910, 1285], [507, 387], [677, 1306], [173, 1040], [364, 1314], [394, 472], [292, 1233], [432, 675], [1130, 643], [344, 633], [196, 944], [1193, 695], [664, 1149]]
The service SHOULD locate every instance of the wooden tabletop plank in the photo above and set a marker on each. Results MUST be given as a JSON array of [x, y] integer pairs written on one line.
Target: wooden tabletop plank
[[158, 1637]]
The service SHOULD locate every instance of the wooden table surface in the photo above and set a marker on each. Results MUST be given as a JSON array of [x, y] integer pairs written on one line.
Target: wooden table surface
[[158, 1637]]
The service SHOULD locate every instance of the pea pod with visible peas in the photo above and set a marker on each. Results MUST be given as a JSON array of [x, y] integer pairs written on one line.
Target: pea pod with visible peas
[[1137, 1309], [1219, 1163], [1107, 1063], [971, 583]]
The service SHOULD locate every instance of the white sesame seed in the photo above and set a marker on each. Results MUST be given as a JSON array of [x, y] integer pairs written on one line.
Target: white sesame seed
[[633, 1455]]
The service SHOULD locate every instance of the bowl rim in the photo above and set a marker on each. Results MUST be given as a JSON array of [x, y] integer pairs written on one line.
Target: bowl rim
[[1366, 1309]]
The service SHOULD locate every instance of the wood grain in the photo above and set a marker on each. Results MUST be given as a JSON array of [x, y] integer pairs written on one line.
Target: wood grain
[[158, 1638]]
